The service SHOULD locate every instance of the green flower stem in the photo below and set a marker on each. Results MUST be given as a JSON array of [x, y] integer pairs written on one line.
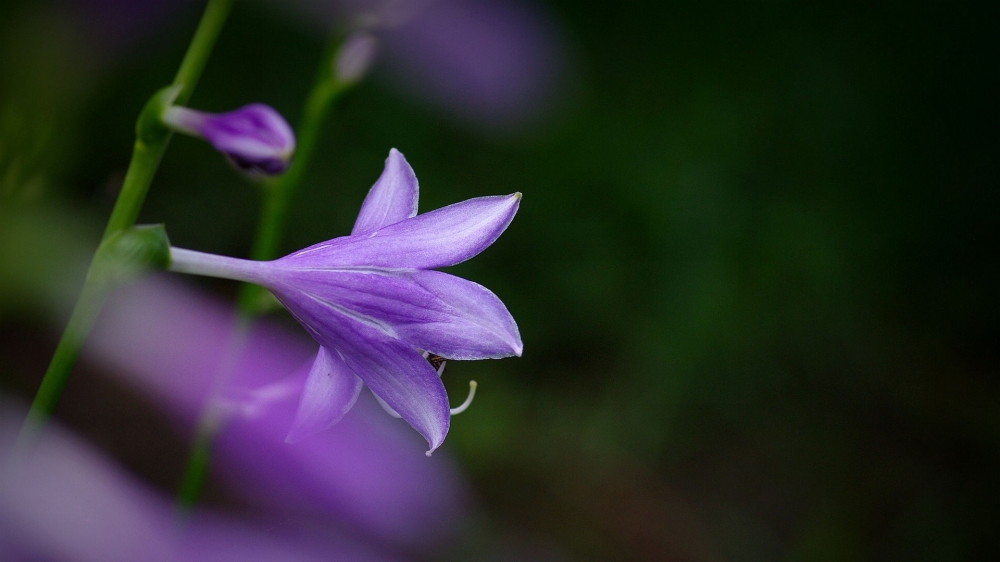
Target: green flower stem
[[211, 419], [151, 142], [85, 312], [278, 192], [277, 196], [152, 137]]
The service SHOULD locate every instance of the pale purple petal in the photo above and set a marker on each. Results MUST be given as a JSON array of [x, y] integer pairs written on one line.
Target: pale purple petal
[[494, 63], [440, 238], [68, 503], [479, 325], [394, 371], [393, 197], [329, 393], [170, 343], [429, 310], [212, 538], [497, 63]]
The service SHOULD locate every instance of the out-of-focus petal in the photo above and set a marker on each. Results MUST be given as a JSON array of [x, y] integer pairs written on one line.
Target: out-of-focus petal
[[393, 197], [440, 238], [178, 344], [330, 391], [211, 538], [498, 64], [393, 370], [494, 63], [68, 503], [171, 342], [430, 310]]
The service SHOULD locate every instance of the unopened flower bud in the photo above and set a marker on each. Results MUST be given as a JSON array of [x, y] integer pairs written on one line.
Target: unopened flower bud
[[355, 57], [255, 137]]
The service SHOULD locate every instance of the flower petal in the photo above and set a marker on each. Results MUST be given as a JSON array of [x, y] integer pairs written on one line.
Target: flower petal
[[331, 389], [478, 326], [394, 371], [440, 238], [429, 310], [393, 197]]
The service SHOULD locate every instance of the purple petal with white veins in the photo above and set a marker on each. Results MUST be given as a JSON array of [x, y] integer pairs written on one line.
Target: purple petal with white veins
[[68, 502], [429, 310], [394, 371], [478, 325], [393, 197], [440, 238], [331, 389]]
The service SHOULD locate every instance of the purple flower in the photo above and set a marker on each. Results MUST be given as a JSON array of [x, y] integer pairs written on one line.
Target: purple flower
[[255, 137], [180, 348], [68, 503], [372, 302], [355, 57], [496, 63]]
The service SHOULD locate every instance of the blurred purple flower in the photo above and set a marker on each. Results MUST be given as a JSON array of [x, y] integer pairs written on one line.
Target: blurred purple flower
[[372, 302], [495, 63], [255, 137], [180, 347], [355, 57], [66, 503]]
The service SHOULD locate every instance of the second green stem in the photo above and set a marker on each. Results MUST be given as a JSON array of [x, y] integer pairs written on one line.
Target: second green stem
[[277, 196]]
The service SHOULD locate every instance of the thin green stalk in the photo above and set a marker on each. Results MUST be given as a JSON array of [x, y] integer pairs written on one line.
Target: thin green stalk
[[277, 195], [151, 142], [278, 192], [149, 147]]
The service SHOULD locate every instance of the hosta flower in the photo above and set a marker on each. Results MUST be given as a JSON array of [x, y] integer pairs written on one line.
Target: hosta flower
[[374, 304], [255, 137]]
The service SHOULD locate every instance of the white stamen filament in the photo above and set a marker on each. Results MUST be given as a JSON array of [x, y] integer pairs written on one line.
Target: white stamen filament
[[468, 400]]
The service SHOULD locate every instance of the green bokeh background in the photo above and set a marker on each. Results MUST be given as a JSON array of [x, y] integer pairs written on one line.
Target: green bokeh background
[[755, 266]]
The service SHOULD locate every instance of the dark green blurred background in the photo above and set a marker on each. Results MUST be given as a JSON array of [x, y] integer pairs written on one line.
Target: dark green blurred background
[[755, 266]]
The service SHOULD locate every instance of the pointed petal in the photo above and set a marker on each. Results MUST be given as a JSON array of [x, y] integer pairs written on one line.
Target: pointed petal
[[429, 310], [393, 197], [393, 370], [476, 326], [440, 238], [331, 389]]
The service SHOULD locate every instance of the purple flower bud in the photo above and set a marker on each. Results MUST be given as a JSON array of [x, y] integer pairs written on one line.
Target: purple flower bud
[[255, 137], [355, 57]]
